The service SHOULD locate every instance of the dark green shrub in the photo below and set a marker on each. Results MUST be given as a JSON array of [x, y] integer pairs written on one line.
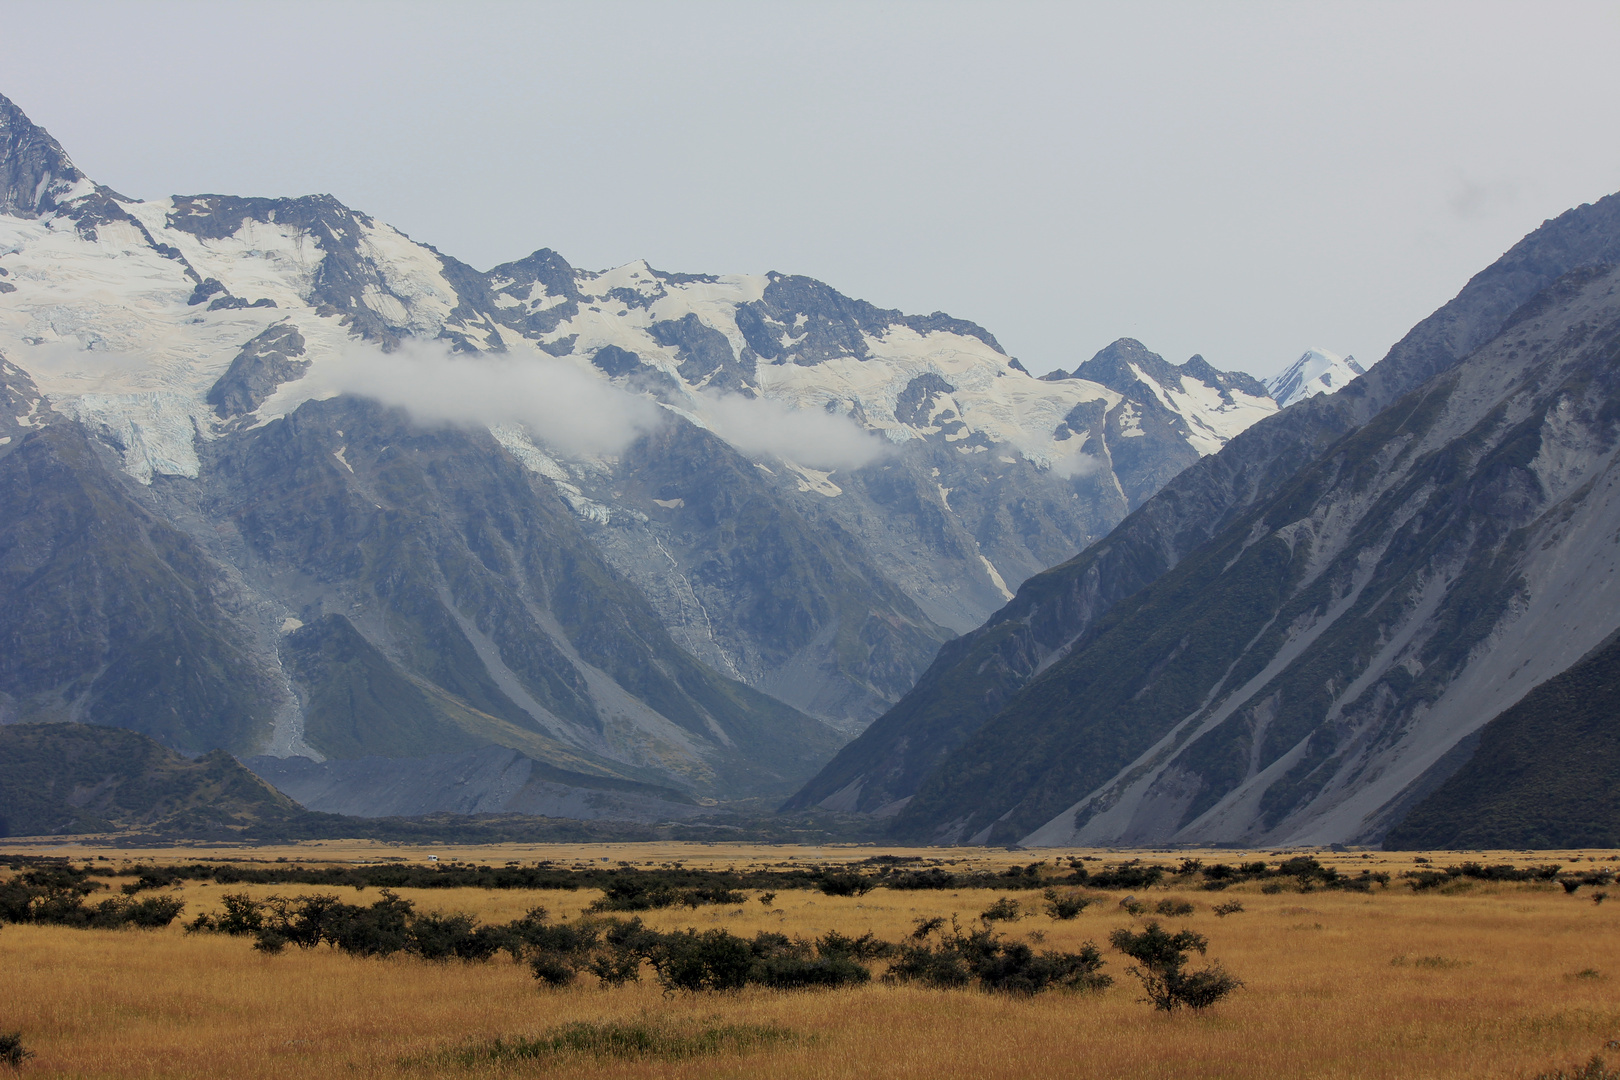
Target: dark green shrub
[[1005, 909], [1231, 907], [1065, 905], [783, 972], [1161, 967], [832, 943], [845, 884], [12, 1051], [153, 912], [642, 894], [553, 969], [1570, 885], [1595, 1069], [243, 915], [712, 960], [941, 968]]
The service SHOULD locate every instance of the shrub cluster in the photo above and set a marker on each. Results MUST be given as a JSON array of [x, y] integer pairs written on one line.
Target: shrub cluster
[[390, 925], [1302, 871], [614, 950], [641, 894], [935, 957], [1420, 880], [57, 895]]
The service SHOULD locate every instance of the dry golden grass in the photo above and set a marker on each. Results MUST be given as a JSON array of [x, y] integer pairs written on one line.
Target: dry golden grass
[[1323, 998]]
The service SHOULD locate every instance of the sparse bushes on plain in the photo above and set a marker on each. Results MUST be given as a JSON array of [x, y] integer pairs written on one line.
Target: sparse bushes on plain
[[56, 895], [390, 925], [1161, 967], [1230, 907]]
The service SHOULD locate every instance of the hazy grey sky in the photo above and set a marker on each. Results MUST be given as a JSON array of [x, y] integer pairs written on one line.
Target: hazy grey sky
[[1240, 180]]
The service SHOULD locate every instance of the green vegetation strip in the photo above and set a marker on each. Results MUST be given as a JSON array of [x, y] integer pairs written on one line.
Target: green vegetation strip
[[648, 1039]]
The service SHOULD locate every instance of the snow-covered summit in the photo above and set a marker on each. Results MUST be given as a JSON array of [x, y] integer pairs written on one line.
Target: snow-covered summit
[[1316, 372]]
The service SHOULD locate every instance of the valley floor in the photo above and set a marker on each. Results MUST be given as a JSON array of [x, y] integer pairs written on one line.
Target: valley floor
[[1476, 979]]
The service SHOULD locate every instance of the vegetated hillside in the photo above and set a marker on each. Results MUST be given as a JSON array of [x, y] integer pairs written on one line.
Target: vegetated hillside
[[1294, 679], [827, 583], [1545, 773], [60, 779], [489, 780], [976, 675], [64, 779]]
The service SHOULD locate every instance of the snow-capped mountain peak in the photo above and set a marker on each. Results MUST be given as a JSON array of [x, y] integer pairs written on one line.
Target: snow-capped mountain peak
[[1316, 372]]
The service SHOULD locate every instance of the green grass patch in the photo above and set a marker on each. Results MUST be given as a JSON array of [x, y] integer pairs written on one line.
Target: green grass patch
[[646, 1039]]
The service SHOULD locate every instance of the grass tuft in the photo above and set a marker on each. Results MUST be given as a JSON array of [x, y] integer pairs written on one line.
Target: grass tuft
[[633, 1040]]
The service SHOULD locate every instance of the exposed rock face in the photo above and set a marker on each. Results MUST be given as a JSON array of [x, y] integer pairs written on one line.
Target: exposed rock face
[[978, 675], [35, 172], [264, 363]]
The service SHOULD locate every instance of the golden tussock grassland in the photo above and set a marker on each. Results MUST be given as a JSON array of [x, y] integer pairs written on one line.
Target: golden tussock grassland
[[1479, 980]]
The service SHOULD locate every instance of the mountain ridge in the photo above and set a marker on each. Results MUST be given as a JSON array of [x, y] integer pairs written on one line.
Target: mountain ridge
[[975, 676], [183, 336]]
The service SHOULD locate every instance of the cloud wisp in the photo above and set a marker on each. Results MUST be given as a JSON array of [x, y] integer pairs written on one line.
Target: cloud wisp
[[571, 409], [557, 402], [811, 437]]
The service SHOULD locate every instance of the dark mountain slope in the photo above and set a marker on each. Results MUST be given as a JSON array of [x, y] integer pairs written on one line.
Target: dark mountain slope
[[974, 676], [472, 574], [73, 778], [796, 606], [390, 590], [109, 614], [1545, 774], [1289, 680]]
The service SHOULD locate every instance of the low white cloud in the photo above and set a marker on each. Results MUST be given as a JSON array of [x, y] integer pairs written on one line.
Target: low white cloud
[[1076, 464], [812, 437], [557, 402]]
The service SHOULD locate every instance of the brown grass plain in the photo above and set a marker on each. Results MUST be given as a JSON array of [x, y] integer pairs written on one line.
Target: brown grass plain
[[1480, 980]]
